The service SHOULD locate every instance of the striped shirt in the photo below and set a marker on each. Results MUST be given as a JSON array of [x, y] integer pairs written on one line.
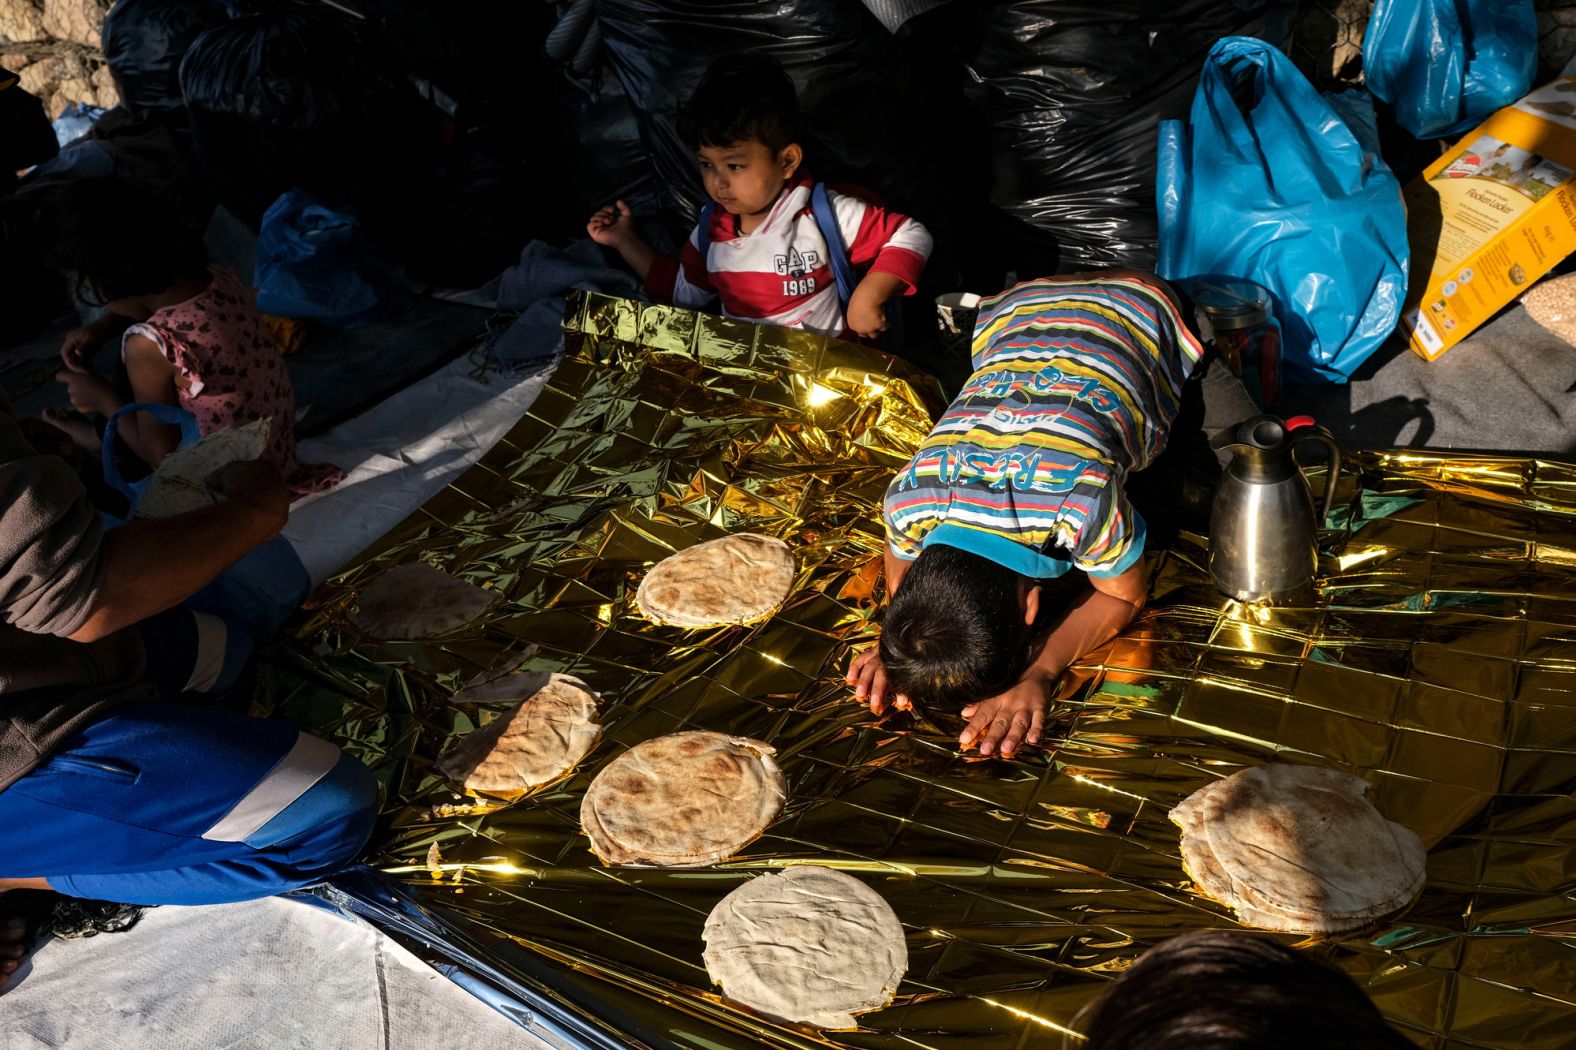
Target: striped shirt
[[779, 273], [1074, 385]]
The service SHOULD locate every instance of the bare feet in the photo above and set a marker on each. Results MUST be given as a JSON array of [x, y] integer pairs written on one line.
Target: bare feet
[[13, 947], [81, 432]]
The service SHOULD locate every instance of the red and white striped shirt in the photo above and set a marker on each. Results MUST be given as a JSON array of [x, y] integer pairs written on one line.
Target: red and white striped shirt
[[780, 274]]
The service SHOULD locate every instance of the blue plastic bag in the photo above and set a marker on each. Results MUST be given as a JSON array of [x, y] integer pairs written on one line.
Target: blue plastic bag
[[1267, 183], [259, 592], [1444, 65], [314, 264]]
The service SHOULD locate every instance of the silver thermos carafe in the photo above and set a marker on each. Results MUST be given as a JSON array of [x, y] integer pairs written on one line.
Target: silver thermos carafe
[[1263, 536]]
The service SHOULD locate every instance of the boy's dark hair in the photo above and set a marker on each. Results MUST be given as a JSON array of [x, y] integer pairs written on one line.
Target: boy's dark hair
[[114, 241], [1223, 990], [954, 633], [743, 97]]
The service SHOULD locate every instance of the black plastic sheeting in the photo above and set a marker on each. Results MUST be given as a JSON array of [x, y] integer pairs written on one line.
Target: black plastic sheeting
[[295, 97], [509, 153], [1073, 93], [28, 292], [143, 44]]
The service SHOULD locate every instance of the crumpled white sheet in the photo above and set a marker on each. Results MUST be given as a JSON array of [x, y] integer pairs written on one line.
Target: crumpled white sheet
[[401, 453], [273, 974]]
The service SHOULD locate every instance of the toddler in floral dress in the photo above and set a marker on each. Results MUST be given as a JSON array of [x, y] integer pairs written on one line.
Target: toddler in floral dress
[[191, 335]]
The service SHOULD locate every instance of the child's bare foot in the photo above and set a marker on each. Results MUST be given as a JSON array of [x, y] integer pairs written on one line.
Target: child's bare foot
[[13, 947], [79, 430]]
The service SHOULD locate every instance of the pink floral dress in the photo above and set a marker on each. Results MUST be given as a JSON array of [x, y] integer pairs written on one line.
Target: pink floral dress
[[230, 372]]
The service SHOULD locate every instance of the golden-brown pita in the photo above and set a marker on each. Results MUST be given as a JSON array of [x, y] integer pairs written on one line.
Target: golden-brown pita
[[415, 600], [683, 801], [537, 742], [1298, 848], [808, 946], [180, 482], [732, 580]]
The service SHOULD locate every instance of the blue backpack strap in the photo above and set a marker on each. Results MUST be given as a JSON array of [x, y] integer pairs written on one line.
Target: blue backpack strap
[[706, 215], [836, 250], [843, 270], [167, 414]]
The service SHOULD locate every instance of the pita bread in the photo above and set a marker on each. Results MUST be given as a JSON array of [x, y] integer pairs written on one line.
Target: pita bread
[[732, 580], [1299, 849], [540, 740], [415, 600], [683, 801], [809, 946], [180, 483]]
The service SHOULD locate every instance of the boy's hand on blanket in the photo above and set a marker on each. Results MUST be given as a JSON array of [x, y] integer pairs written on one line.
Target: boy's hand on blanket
[[612, 226], [999, 725], [257, 484], [868, 678]]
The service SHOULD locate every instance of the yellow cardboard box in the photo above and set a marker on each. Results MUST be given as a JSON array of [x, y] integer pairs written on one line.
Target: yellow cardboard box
[[1490, 217]]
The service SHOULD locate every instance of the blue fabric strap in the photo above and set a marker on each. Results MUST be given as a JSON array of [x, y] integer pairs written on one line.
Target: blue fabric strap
[[166, 414], [837, 252]]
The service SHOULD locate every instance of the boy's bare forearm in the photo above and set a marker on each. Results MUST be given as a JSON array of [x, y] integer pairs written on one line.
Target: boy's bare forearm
[[896, 569], [881, 285], [1090, 621]]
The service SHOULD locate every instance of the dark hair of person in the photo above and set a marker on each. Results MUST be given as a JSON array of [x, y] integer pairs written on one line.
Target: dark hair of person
[[954, 633], [113, 240], [742, 97], [1225, 990]]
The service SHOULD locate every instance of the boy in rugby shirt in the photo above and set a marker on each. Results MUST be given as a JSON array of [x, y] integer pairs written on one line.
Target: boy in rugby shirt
[[1077, 382], [761, 251]]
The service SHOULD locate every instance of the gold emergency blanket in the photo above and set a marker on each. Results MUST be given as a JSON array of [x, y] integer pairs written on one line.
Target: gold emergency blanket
[[1439, 663]]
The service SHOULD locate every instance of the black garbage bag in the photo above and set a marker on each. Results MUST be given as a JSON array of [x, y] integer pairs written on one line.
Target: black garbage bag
[[1073, 92], [29, 293], [484, 56], [143, 44], [609, 157], [293, 97], [26, 137], [508, 173]]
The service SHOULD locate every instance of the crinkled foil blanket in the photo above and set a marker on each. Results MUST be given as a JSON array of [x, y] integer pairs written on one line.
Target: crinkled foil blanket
[[1438, 662]]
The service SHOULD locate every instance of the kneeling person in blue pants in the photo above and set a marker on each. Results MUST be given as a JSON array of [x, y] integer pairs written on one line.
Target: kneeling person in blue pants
[[105, 791]]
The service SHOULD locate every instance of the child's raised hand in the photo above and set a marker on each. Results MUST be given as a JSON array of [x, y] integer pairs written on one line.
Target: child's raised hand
[[612, 225]]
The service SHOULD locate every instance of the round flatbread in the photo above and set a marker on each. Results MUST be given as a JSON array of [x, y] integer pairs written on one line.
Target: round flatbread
[[535, 743], [415, 600], [1299, 849], [683, 801], [732, 580], [809, 946]]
